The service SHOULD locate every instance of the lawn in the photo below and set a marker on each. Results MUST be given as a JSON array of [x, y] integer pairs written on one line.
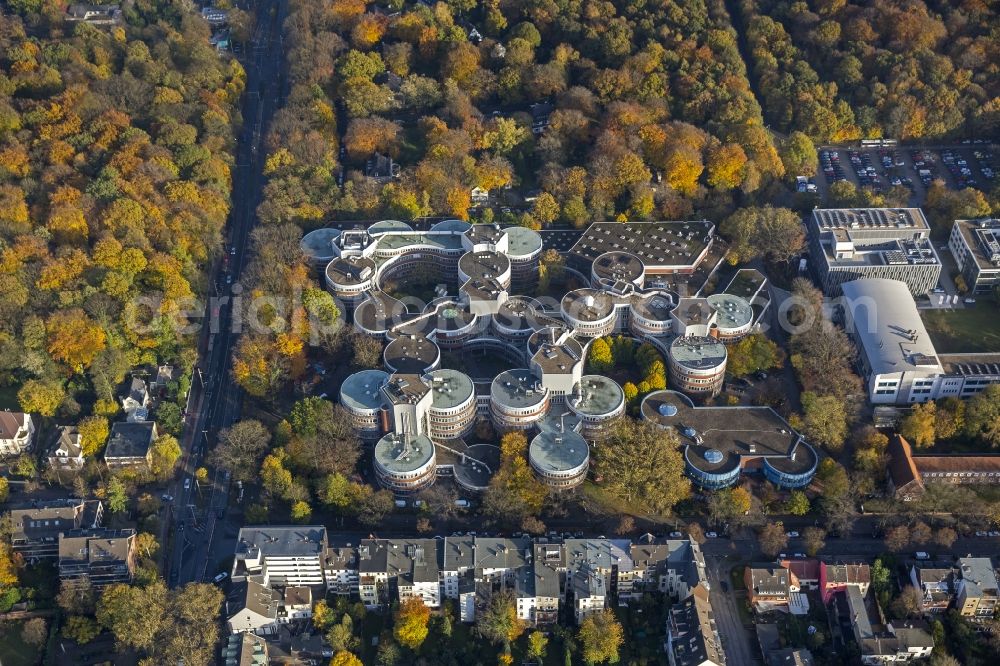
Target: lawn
[[8, 398], [973, 330], [14, 651]]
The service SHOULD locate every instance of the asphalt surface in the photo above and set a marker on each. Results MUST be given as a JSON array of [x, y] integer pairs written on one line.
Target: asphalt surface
[[197, 525]]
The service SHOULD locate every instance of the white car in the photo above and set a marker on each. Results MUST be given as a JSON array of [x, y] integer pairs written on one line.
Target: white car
[[187, 483], [980, 533], [792, 535], [676, 535], [800, 555], [711, 535], [994, 533]]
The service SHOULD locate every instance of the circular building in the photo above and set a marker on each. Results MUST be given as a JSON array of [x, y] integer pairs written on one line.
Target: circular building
[[389, 225], [649, 313], [361, 396], [697, 365], [475, 466], [404, 465], [720, 443], [524, 248], [350, 278], [411, 354], [378, 313], [517, 400], [613, 270], [455, 226], [317, 245], [453, 323], [452, 413], [484, 265], [589, 312], [513, 320], [560, 458], [734, 316], [598, 402]]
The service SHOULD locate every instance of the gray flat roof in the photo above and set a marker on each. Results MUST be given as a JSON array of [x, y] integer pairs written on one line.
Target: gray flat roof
[[746, 283], [402, 389], [731, 311], [480, 463], [443, 240], [483, 265], [484, 233], [870, 218], [363, 390], [659, 245], [318, 244], [389, 225], [400, 455], [655, 305], [588, 304], [555, 451], [983, 239], [884, 314], [411, 353], [380, 312], [282, 541], [618, 265], [598, 395], [515, 313], [522, 241], [697, 352], [350, 270], [517, 389], [732, 431], [450, 388], [451, 225]]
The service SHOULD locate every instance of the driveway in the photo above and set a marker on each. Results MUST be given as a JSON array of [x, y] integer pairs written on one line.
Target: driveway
[[736, 640]]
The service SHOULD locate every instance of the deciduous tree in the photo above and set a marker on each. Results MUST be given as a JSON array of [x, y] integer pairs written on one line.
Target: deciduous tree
[[600, 637], [772, 538], [642, 463], [410, 628]]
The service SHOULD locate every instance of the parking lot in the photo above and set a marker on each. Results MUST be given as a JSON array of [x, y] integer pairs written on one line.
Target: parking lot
[[880, 168]]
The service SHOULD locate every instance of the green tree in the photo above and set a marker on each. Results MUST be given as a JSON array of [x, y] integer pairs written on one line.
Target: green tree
[[41, 397], [798, 503], [81, 629], [599, 355], [600, 637], [777, 233], [301, 511], [165, 452], [116, 495], [240, 449], [824, 420], [4, 489], [537, 644], [919, 425], [499, 623], [753, 354], [641, 462], [982, 415], [134, 615]]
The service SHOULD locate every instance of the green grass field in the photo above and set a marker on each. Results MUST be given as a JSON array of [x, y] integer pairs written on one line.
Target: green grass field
[[975, 329], [14, 651]]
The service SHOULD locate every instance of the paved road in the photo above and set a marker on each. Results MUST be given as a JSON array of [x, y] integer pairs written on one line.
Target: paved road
[[737, 641], [216, 400]]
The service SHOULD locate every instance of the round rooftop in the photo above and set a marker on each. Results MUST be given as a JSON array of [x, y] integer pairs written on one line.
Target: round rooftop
[[596, 395], [517, 389], [389, 225], [587, 304], [618, 266], [362, 390], [483, 265], [380, 311], [451, 225], [523, 242], [450, 388], [655, 306], [515, 313], [411, 354], [697, 353], [714, 456], [399, 455], [733, 312], [317, 245], [556, 452], [474, 470], [445, 314], [549, 337], [350, 271]]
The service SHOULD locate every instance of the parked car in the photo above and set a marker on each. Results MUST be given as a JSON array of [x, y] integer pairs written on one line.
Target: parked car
[[712, 535], [676, 535], [921, 555], [792, 535], [400, 504], [462, 504], [221, 577], [167, 498], [187, 483]]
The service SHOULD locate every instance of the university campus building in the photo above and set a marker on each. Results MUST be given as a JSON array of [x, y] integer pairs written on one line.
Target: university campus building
[[418, 414]]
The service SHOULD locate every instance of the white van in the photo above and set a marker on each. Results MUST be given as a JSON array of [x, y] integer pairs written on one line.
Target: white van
[[462, 504], [921, 555], [400, 504]]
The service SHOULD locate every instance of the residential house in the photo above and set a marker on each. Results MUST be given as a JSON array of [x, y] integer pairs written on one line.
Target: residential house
[[17, 433], [769, 587], [164, 375], [841, 577], [341, 570], [977, 592], [253, 607], [459, 558], [674, 567], [806, 572], [692, 635], [937, 587], [537, 587], [130, 445], [413, 563], [101, 556], [590, 591], [135, 402], [608, 557], [497, 560], [94, 14], [35, 530], [66, 451], [282, 555], [214, 16], [297, 604], [769, 639], [245, 649], [880, 642], [479, 196]]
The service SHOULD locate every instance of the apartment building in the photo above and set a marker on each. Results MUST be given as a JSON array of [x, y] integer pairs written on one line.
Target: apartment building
[[769, 587], [835, 578], [282, 555], [99, 556], [937, 587], [977, 592], [35, 530], [692, 634], [975, 244]]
